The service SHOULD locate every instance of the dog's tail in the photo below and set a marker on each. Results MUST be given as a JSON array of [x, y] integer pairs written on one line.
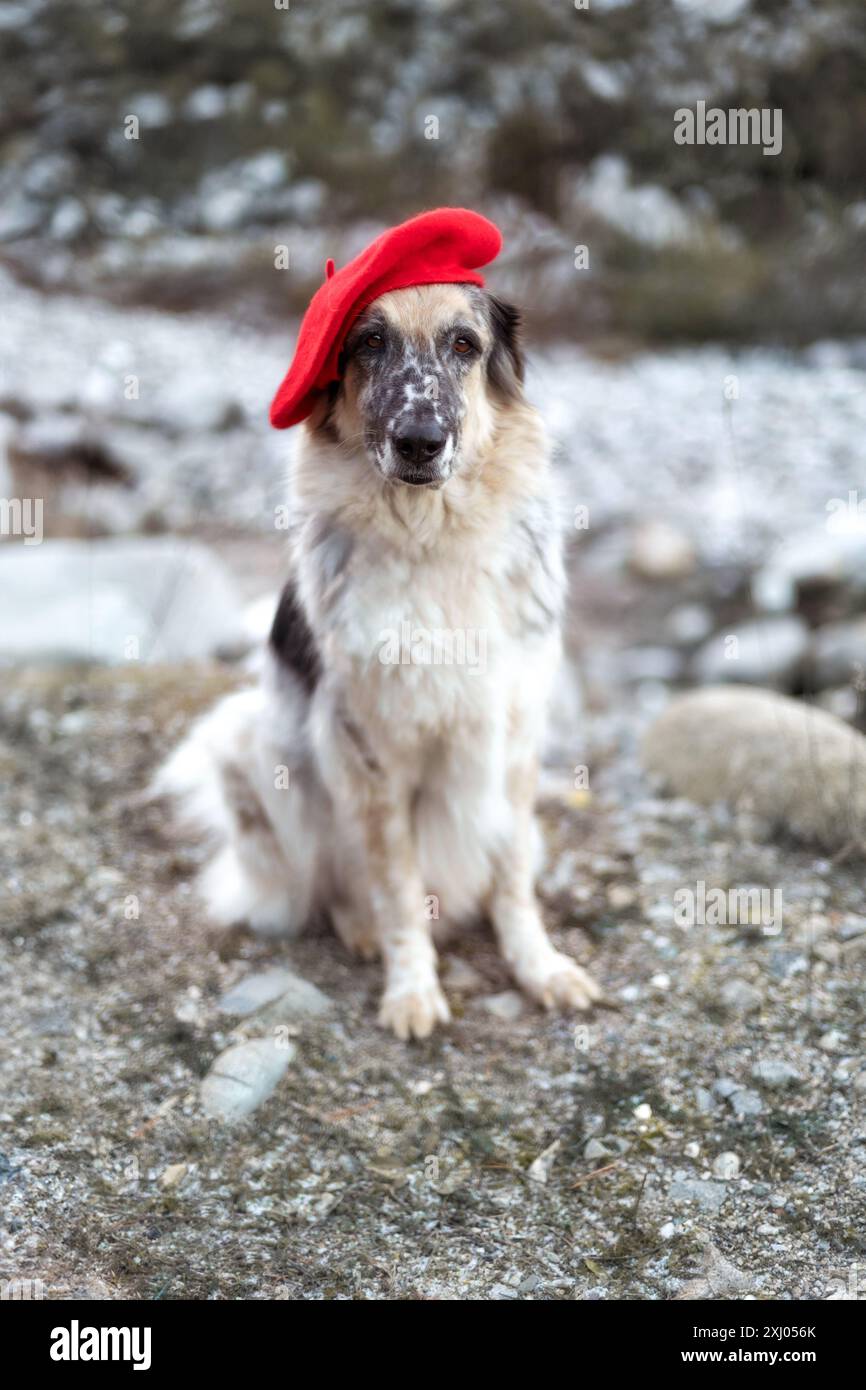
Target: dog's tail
[[231, 785]]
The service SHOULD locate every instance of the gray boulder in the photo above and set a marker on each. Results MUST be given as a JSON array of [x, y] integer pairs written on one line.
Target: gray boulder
[[755, 653], [783, 760], [153, 599]]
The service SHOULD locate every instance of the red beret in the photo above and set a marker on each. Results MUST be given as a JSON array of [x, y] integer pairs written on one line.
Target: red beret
[[440, 247]]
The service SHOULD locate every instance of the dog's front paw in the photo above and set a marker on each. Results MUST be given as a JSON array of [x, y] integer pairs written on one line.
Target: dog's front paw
[[414, 1013], [558, 982]]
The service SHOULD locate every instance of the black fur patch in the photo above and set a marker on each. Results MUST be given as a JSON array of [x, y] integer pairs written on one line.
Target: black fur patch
[[506, 366], [292, 640]]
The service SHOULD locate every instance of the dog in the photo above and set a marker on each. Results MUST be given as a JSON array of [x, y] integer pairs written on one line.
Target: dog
[[384, 769]]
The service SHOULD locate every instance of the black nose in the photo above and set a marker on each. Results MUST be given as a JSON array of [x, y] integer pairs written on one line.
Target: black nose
[[421, 443]]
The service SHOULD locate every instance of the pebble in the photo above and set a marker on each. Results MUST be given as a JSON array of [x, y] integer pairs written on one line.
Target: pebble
[[621, 897], [726, 1166], [243, 1076], [758, 653], [833, 1041], [299, 1000], [738, 997], [709, 1196], [746, 1103], [539, 1169], [660, 551], [461, 977], [594, 1148], [254, 991], [774, 1073], [508, 1006], [173, 1176]]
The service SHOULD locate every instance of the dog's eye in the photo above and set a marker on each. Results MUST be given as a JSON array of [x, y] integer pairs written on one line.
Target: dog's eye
[[463, 346], [374, 341]]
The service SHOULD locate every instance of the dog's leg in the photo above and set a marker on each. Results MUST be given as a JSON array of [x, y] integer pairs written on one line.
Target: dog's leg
[[554, 980], [413, 1002]]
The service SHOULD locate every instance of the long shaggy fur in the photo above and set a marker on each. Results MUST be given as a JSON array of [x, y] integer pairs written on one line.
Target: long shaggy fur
[[384, 769]]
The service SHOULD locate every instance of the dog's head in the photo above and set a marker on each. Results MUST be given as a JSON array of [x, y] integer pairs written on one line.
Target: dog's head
[[423, 373]]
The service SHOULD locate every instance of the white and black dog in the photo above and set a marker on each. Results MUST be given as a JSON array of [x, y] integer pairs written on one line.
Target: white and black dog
[[384, 770]]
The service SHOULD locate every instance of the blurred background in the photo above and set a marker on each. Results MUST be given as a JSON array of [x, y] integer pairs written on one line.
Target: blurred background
[[175, 175]]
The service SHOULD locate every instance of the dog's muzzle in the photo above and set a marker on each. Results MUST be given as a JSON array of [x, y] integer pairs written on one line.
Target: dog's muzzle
[[419, 446]]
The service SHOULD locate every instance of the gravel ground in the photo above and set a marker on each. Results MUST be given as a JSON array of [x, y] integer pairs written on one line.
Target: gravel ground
[[701, 1137]]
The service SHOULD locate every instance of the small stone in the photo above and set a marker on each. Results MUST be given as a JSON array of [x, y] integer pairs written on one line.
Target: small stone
[[460, 977], [774, 1073], [718, 1277], [594, 1148], [539, 1169], [758, 652], [668, 1230], [620, 897], [833, 1041], [660, 551], [254, 991], [725, 1086], [703, 1099], [173, 1176], [661, 981], [299, 1000], [726, 1166], [508, 1006], [692, 1149], [243, 1076], [643, 1111], [709, 1196], [746, 1103], [738, 997]]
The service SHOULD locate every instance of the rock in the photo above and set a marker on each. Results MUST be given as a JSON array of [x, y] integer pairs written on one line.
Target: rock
[[738, 997], [756, 653], [459, 977], [173, 1176], [726, 1166], [659, 551], [764, 752], [703, 1100], [839, 649], [539, 1168], [299, 999], [745, 1103], [649, 664], [851, 927], [689, 623], [621, 897], [110, 601], [774, 1073], [835, 557], [508, 1006], [725, 1086], [594, 1148], [709, 1196], [243, 1076], [833, 1041], [718, 1278], [643, 1112], [254, 991]]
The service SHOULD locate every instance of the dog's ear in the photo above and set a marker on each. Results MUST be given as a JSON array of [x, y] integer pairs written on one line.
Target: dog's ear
[[505, 365], [321, 419]]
